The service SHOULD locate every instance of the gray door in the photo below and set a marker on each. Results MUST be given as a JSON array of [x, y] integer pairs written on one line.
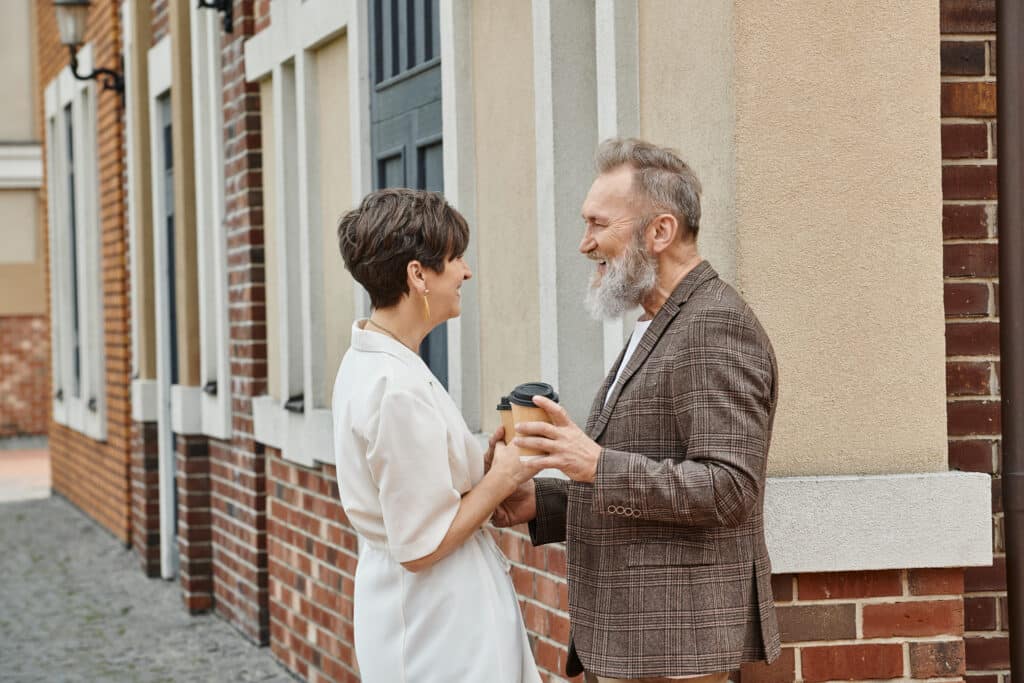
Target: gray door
[[405, 115]]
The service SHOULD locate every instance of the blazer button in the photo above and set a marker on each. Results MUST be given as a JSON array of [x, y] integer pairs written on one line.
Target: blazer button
[[611, 508]]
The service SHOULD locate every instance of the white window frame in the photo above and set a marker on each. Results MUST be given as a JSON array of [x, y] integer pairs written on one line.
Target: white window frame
[[285, 52], [211, 238], [86, 413]]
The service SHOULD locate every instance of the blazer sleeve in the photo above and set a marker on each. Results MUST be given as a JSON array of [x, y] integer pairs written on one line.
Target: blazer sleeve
[[552, 498], [723, 394], [408, 459]]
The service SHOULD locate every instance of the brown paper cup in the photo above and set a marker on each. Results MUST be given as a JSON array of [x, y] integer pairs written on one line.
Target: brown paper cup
[[508, 423], [529, 414]]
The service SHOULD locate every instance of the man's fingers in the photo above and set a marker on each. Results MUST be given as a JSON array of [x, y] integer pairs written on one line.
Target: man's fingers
[[557, 413], [535, 443], [541, 429]]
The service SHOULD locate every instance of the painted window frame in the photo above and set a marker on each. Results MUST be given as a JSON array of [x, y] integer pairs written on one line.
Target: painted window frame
[[211, 237], [87, 412]]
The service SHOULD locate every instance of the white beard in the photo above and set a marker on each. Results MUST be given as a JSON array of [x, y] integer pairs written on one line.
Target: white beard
[[626, 282]]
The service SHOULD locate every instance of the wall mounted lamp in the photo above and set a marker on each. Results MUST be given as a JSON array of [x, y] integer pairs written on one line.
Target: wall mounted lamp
[[71, 18], [221, 6]]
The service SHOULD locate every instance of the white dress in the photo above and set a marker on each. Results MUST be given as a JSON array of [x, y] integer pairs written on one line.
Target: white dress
[[405, 457]]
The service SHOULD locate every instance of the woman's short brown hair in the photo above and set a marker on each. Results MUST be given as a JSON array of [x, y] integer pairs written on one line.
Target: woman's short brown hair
[[392, 227]]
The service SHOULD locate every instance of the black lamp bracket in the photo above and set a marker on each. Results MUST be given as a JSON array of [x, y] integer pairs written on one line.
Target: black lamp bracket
[[221, 6], [111, 80]]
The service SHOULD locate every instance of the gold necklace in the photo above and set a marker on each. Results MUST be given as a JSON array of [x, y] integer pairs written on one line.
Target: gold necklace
[[389, 333]]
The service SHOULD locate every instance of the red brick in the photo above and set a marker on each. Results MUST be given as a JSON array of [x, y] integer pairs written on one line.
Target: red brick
[[847, 662], [935, 660], [964, 141], [985, 653], [973, 417], [966, 259], [980, 613], [964, 221], [962, 57], [991, 578], [966, 181], [782, 587], [967, 16], [965, 299], [782, 670], [972, 339], [936, 581], [966, 378], [918, 618], [970, 98], [838, 585], [800, 623]]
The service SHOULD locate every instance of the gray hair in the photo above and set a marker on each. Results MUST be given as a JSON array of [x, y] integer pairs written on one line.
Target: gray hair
[[660, 176]]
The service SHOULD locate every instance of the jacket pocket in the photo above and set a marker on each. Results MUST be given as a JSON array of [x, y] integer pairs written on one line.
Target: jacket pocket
[[667, 553]]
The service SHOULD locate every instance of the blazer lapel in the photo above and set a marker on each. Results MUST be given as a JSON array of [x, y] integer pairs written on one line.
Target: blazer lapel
[[597, 406], [696, 277]]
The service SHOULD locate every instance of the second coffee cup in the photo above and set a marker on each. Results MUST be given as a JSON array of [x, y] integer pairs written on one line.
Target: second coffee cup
[[524, 409], [505, 413]]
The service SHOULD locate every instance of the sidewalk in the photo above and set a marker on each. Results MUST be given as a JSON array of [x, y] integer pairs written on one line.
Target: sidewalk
[[74, 606]]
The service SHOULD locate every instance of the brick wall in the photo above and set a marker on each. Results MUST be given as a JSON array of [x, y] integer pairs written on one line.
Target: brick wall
[[145, 477], [24, 375], [95, 475], [313, 555], [160, 19], [971, 248], [237, 468], [195, 561], [866, 626]]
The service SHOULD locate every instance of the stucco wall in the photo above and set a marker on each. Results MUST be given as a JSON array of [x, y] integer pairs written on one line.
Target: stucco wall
[[506, 230], [335, 197], [837, 211], [17, 78]]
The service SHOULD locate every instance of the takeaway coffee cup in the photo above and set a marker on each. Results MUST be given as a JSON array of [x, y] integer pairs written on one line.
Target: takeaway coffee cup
[[505, 413], [524, 410]]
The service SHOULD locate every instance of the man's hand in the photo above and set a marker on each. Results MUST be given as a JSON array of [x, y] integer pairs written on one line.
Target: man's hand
[[568, 448], [521, 506]]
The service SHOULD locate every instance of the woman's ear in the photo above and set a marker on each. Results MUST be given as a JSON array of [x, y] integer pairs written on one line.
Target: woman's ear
[[664, 231], [417, 279]]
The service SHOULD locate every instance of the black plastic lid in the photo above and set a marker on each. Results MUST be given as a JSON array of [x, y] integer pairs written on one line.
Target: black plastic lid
[[523, 394], [504, 404]]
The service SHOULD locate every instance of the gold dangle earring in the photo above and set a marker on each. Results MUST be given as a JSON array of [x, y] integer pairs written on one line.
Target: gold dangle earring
[[426, 306]]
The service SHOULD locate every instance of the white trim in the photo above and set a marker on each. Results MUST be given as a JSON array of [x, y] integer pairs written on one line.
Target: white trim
[[359, 120], [284, 52], [457, 112], [21, 167], [83, 405], [861, 523], [144, 400], [159, 64], [547, 252], [211, 237], [135, 220], [186, 409]]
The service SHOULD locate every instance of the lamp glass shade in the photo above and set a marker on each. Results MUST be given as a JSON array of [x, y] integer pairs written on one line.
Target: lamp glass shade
[[71, 18]]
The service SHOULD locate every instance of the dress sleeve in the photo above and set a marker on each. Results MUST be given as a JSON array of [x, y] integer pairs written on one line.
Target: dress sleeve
[[408, 459]]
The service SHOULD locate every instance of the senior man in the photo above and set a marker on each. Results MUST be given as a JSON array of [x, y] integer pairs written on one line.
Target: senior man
[[668, 572]]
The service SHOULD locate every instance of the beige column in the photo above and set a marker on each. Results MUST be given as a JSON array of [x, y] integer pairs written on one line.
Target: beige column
[[815, 130], [141, 203], [186, 264]]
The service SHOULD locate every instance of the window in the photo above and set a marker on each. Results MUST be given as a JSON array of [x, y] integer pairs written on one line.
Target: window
[[78, 354]]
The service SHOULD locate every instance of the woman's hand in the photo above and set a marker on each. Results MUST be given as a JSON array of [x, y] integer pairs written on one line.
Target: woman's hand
[[508, 470]]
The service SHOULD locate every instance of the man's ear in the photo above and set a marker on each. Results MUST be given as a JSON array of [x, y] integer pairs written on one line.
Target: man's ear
[[417, 280], [663, 232]]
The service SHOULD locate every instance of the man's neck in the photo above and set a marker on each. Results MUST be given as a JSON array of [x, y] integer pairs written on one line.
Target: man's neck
[[670, 273]]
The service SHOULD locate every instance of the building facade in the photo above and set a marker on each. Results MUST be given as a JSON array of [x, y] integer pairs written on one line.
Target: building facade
[[24, 327], [200, 309]]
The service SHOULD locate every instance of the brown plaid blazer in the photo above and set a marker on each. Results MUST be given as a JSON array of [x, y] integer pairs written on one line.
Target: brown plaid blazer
[[667, 565]]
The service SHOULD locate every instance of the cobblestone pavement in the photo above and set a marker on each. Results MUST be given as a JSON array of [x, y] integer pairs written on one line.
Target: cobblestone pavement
[[74, 606]]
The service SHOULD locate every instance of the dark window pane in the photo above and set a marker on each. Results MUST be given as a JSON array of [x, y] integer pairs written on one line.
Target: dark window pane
[[76, 340]]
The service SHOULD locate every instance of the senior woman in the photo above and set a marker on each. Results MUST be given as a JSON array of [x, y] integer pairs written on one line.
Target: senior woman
[[433, 598]]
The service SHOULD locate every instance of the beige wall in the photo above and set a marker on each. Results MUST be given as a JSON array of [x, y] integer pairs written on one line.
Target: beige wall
[[506, 230], [22, 266], [837, 196], [269, 238], [17, 72], [335, 197], [687, 102]]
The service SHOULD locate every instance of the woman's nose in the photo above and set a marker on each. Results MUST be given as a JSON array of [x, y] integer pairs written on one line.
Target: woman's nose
[[468, 275]]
